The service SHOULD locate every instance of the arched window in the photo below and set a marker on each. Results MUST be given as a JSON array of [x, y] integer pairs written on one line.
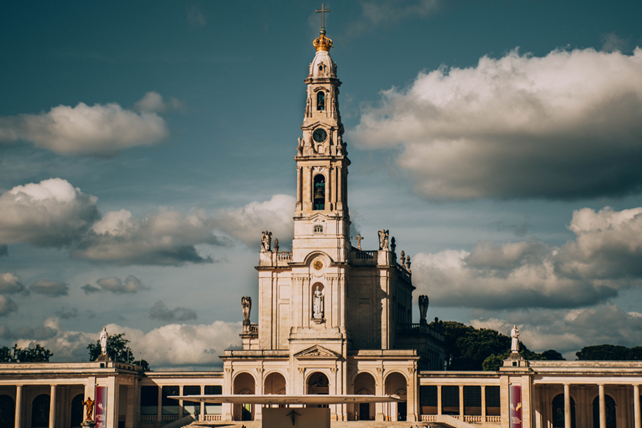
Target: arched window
[[558, 412], [76, 410], [40, 411], [609, 406], [7, 411], [321, 101], [319, 192]]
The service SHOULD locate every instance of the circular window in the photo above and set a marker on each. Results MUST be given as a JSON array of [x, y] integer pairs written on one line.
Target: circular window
[[320, 135]]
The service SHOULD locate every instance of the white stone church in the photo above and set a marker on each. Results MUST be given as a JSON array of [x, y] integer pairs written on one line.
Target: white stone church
[[335, 320]]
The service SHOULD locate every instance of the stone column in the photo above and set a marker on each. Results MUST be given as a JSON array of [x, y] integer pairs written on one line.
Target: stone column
[[298, 188], [339, 189], [258, 390], [380, 390], [130, 410], [636, 406], [537, 407], [19, 406], [201, 416], [159, 412], [52, 407], [328, 193], [461, 402], [439, 399], [504, 400], [602, 406], [113, 389], [483, 403], [567, 405], [180, 402]]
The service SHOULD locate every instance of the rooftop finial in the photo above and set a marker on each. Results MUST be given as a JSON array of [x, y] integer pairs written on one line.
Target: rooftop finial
[[322, 11]]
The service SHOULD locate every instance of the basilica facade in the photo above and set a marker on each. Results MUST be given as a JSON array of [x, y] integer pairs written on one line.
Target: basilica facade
[[332, 319]]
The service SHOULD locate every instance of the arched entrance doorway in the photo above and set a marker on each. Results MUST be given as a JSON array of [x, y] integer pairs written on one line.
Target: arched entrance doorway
[[558, 412], [76, 410], [244, 384], [7, 411], [364, 384], [318, 384], [396, 384], [40, 411], [609, 405], [274, 384]]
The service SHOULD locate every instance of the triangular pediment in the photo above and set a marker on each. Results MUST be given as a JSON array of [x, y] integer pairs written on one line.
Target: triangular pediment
[[317, 352]]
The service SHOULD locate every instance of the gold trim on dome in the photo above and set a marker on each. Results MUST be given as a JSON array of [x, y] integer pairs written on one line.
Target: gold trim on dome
[[322, 43]]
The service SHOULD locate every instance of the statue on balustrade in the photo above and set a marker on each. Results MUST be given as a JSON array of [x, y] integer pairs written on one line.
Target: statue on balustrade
[[246, 304]]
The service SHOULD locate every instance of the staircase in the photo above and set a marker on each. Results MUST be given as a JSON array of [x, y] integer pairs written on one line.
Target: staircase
[[446, 423]]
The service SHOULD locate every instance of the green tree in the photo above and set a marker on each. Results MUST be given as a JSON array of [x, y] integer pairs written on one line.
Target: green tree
[[552, 355], [36, 354], [469, 348], [608, 353], [117, 350]]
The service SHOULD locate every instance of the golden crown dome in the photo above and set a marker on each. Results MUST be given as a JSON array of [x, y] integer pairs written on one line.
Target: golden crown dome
[[322, 43]]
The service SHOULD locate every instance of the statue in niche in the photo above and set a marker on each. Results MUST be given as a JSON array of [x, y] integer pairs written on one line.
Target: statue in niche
[[383, 239], [246, 304], [317, 304], [103, 341], [266, 241], [423, 309], [514, 344]]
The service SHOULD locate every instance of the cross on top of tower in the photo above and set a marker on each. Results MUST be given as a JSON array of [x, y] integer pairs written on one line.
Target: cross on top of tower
[[322, 11]]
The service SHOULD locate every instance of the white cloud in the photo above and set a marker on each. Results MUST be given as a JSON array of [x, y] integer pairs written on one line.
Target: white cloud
[[51, 213], [153, 102], [376, 14], [161, 312], [246, 223], [10, 283], [166, 237], [114, 285], [169, 345], [602, 260], [564, 126], [98, 130], [50, 288]]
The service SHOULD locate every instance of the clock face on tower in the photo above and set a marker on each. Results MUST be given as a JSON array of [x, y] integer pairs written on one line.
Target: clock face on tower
[[320, 135]]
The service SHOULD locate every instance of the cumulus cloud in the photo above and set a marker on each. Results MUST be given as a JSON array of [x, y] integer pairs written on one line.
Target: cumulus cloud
[[7, 306], [171, 345], [564, 126], [10, 284], [90, 289], [98, 130], [246, 223], [114, 285], [602, 260], [153, 102], [166, 237], [42, 332], [50, 288], [161, 312], [567, 331], [51, 213]]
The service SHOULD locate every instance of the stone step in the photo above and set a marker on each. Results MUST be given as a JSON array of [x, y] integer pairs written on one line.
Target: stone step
[[335, 424]]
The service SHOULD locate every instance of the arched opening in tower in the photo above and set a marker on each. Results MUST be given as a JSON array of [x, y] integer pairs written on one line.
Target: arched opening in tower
[[319, 192]]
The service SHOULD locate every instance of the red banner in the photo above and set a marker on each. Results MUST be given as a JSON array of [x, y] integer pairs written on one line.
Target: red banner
[[101, 407], [515, 397]]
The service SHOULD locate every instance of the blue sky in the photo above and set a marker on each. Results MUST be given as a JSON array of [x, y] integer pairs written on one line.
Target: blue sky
[[145, 145]]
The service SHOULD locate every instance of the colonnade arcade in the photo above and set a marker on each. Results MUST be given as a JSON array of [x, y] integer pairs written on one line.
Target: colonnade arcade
[[590, 405], [318, 382]]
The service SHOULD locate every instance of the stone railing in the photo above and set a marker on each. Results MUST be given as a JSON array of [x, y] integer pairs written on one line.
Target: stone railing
[[148, 418], [284, 255], [365, 255], [466, 418], [169, 418], [211, 418]]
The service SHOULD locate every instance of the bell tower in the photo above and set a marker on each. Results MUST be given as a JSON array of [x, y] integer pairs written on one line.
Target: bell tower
[[321, 217]]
